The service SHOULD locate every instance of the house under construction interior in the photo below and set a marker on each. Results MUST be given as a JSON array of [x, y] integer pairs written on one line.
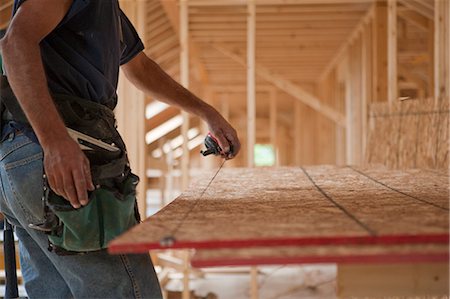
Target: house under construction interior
[[341, 188]]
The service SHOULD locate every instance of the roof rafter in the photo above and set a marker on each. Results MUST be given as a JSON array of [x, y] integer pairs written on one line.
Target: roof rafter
[[172, 10], [289, 87]]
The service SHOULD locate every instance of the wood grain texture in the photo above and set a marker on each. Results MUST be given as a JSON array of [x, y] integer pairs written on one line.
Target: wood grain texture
[[321, 205], [340, 254], [409, 134]]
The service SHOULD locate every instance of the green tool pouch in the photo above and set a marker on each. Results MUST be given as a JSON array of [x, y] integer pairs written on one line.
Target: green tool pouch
[[110, 212]]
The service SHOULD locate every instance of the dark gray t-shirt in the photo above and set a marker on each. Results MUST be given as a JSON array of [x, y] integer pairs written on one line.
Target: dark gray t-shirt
[[82, 55]]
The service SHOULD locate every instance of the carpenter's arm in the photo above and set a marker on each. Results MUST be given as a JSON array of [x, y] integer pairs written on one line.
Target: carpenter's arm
[[151, 79], [65, 164]]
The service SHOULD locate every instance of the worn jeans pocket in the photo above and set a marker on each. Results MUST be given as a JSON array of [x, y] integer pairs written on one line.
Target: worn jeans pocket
[[21, 170]]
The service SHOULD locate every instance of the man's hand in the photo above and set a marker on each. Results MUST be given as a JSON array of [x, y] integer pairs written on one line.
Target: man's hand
[[224, 133], [68, 171]]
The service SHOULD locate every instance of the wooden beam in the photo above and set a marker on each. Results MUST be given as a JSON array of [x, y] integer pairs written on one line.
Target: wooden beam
[[251, 82], [184, 76], [271, 2], [254, 285], [273, 113], [298, 159], [130, 110], [448, 49], [7, 5], [343, 49], [172, 10], [287, 86], [392, 51], [379, 56], [414, 18], [5, 14], [441, 49], [424, 10]]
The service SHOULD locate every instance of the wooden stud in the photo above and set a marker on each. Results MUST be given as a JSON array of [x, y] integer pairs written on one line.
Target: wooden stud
[[349, 111], [184, 74], [270, 2], [186, 272], [131, 116], [446, 48], [273, 123], [365, 67], [254, 290], [392, 51], [298, 123], [379, 50], [251, 82]]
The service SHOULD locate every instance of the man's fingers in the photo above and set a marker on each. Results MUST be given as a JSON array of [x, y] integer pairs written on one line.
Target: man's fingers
[[87, 175], [235, 144], [80, 186], [223, 142], [56, 184], [70, 191]]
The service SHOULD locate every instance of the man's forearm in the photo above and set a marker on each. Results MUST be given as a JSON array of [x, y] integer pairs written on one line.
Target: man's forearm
[[26, 76], [152, 80]]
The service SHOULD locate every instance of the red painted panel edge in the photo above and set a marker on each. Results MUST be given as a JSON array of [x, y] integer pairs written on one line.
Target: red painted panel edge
[[338, 240], [352, 259]]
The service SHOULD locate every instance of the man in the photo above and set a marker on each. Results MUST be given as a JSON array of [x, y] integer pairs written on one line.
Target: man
[[75, 47]]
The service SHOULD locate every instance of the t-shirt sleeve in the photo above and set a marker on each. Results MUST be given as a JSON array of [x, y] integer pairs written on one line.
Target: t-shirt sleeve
[[75, 7], [131, 43]]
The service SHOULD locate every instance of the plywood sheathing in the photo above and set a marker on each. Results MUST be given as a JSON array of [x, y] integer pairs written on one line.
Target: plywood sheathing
[[299, 206], [341, 254], [409, 134]]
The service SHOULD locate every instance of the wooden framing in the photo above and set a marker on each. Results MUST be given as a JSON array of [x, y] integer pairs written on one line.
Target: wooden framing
[[441, 49], [268, 2], [419, 6], [379, 56], [251, 82], [5, 13], [184, 74], [294, 90], [342, 50], [273, 119], [131, 117], [392, 51]]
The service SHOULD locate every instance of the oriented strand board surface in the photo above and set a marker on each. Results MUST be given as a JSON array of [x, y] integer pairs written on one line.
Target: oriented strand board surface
[[410, 253], [322, 205], [409, 134]]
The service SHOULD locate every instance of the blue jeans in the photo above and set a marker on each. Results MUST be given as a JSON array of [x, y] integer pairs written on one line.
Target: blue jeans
[[47, 275]]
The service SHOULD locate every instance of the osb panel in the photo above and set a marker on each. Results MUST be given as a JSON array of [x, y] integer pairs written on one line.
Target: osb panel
[[381, 209], [409, 134], [408, 253], [282, 206]]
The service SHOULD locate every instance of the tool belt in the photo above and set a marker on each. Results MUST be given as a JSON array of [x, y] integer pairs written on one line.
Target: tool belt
[[112, 207]]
